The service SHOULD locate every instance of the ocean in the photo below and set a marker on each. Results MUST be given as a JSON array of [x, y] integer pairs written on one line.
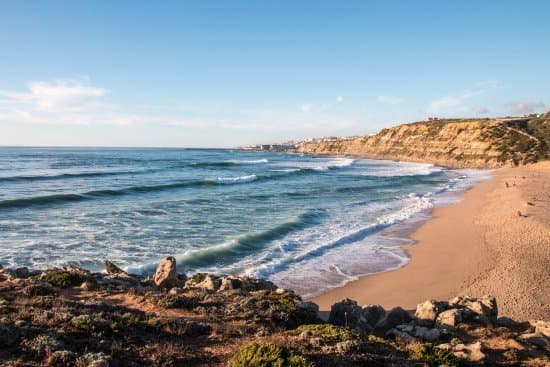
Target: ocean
[[307, 223]]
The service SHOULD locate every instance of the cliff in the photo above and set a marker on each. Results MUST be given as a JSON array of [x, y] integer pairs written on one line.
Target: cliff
[[453, 143]]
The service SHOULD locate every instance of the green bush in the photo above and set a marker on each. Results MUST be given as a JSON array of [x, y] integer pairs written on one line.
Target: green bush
[[433, 356], [328, 331], [267, 355], [62, 278]]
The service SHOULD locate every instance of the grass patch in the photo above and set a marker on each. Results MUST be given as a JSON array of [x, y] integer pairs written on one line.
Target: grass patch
[[328, 331]]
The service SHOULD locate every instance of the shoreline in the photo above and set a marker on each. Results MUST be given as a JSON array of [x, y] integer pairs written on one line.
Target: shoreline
[[455, 251]]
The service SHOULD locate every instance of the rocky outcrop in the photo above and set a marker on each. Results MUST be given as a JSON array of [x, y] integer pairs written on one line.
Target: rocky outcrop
[[166, 275], [452, 143], [51, 318]]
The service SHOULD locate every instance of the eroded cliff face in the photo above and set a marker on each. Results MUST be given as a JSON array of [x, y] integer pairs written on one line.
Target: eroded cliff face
[[452, 143]]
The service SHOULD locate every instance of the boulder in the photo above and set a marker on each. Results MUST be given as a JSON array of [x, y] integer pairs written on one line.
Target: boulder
[[427, 334], [485, 306], [112, 269], [427, 311], [22, 272], [372, 314], [391, 319], [166, 275], [471, 352], [541, 327], [229, 283], [535, 339], [450, 318], [309, 306], [210, 283], [346, 313]]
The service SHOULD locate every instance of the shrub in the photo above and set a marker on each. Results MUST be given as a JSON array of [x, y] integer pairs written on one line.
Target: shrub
[[62, 278], [328, 331], [432, 356], [267, 355]]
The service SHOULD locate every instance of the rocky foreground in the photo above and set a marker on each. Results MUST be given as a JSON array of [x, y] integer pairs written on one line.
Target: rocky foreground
[[72, 317]]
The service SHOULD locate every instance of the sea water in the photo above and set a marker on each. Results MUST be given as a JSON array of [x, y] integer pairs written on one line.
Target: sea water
[[308, 223]]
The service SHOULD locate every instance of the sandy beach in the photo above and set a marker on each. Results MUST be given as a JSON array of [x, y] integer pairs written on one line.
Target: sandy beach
[[495, 241]]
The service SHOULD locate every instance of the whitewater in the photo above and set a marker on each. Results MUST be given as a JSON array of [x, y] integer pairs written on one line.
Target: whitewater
[[308, 223]]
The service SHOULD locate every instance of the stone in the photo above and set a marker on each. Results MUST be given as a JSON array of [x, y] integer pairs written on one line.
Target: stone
[[230, 283], [309, 306], [541, 327], [175, 291], [535, 339], [427, 311], [424, 333], [391, 319], [112, 269], [21, 272], [471, 352], [450, 318], [166, 275], [400, 335], [210, 283], [38, 289], [346, 313], [372, 314], [486, 306], [346, 346], [88, 285]]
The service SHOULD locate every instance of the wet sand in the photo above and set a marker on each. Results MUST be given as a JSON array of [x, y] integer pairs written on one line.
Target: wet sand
[[495, 241]]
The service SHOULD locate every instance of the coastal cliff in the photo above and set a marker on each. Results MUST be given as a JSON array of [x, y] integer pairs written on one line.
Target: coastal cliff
[[481, 143]]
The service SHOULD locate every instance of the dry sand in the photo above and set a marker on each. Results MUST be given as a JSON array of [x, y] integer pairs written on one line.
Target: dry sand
[[495, 241]]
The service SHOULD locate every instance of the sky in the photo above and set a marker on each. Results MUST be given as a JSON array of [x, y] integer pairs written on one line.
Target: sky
[[230, 73]]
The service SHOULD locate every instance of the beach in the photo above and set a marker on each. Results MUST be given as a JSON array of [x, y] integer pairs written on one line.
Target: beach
[[495, 241]]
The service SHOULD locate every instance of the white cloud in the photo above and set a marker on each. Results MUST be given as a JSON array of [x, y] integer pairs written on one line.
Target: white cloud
[[459, 104], [306, 107], [389, 100], [524, 108], [79, 102]]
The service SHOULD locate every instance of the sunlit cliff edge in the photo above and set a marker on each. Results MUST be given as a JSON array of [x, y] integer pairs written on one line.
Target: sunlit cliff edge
[[457, 143]]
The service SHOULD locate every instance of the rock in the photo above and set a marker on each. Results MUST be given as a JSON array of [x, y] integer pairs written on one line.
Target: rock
[[309, 306], [372, 314], [210, 283], [424, 333], [175, 291], [391, 319], [427, 312], [346, 346], [507, 322], [449, 318], [541, 327], [22, 272], [346, 313], [61, 358], [38, 289], [400, 335], [471, 352], [229, 283], [486, 306], [535, 339], [94, 360], [280, 290], [112, 269], [7, 336], [166, 275], [88, 285]]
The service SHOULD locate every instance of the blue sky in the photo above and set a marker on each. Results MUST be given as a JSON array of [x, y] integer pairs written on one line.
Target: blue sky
[[227, 73]]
